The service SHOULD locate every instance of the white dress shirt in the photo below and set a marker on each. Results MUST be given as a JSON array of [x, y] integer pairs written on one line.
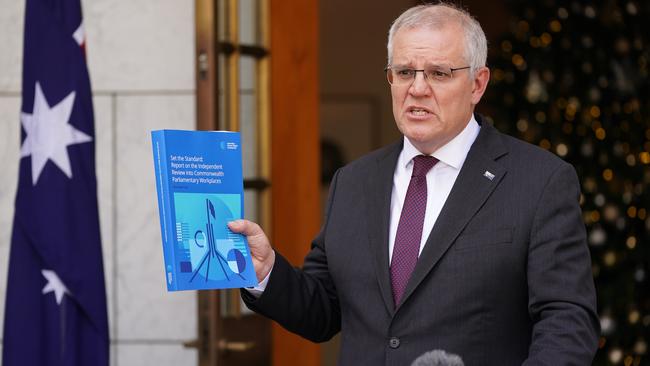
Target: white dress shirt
[[440, 180]]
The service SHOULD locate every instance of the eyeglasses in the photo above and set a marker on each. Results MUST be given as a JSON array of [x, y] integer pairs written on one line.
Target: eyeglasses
[[402, 76]]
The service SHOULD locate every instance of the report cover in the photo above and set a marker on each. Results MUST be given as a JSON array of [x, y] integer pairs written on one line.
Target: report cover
[[200, 189]]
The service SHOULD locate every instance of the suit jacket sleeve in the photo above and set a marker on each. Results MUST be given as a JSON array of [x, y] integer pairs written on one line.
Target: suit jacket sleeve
[[303, 301], [562, 298]]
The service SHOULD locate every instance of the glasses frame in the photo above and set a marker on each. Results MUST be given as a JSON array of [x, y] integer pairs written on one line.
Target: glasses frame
[[451, 75]]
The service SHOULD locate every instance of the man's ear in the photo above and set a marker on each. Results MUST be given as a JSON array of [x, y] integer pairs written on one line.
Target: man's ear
[[481, 79]]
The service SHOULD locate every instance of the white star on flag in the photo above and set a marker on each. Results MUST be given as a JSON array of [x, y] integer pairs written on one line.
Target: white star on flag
[[49, 134], [54, 284], [80, 34]]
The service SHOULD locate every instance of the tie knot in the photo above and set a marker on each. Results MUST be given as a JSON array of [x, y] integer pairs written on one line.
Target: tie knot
[[422, 164]]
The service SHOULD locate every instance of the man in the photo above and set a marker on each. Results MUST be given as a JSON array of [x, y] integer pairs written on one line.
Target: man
[[456, 238]]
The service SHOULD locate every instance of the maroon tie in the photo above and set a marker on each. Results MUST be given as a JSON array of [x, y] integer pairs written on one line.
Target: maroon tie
[[409, 229]]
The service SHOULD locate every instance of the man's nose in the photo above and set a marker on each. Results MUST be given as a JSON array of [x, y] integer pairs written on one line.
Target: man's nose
[[420, 85]]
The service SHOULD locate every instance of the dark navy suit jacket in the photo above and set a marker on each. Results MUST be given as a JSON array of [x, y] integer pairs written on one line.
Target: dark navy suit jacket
[[504, 278]]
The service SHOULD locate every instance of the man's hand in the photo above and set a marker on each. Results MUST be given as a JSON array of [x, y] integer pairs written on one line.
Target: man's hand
[[262, 253]]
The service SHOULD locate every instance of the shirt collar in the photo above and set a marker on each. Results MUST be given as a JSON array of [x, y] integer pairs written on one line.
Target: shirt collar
[[452, 153]]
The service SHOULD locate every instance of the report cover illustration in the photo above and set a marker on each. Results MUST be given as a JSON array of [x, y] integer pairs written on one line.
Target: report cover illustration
[[200, 189]]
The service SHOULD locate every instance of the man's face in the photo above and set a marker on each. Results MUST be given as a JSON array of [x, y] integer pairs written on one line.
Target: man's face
[[432, 114]]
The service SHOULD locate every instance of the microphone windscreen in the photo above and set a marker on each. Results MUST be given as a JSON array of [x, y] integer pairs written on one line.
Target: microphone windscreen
[[438, 358]]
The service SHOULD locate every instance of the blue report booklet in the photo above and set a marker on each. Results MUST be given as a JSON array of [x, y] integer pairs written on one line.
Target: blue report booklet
[[200, 189]]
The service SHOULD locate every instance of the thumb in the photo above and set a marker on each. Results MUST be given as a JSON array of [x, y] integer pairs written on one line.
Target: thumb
[[262, 253], [245, 227]]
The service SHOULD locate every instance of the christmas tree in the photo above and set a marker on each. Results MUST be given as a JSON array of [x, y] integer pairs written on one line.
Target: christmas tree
[[572, 77]]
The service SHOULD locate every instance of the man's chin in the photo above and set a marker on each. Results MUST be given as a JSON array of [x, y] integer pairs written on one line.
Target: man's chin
[[421, 142], [419, 135]]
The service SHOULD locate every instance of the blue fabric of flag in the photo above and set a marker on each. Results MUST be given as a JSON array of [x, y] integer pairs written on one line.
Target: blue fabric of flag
[[55, 311]]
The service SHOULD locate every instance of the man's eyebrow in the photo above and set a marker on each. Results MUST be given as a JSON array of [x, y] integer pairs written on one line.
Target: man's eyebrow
[[410, 66], [436, 65]]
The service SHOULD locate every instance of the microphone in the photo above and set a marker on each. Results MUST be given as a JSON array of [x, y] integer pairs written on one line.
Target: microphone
[[438, 358]]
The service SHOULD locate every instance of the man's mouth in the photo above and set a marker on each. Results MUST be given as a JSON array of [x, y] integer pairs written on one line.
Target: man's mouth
[[418, 111]]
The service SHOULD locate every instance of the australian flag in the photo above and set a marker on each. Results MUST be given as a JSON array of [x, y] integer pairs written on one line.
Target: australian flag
[[55, 311]]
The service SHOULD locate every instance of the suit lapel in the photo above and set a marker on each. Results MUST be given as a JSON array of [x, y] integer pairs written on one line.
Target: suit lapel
[[470, 191], [379, 187]]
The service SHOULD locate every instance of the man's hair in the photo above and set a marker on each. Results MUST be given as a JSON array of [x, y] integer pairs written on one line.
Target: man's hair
[[436, 16]]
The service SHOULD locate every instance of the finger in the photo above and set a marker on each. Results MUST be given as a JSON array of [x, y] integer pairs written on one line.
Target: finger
[[245, 227]]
